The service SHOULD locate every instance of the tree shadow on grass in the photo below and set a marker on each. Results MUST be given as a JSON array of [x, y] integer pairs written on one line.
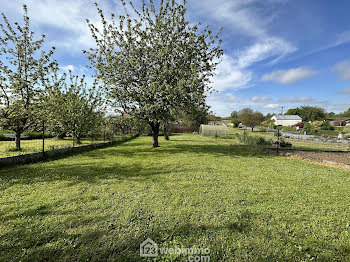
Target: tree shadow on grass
[[104, 163], [103, 243], [108, 243], [176, 148]]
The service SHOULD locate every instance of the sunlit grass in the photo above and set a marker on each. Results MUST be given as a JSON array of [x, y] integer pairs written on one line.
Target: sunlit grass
[[190, 192]]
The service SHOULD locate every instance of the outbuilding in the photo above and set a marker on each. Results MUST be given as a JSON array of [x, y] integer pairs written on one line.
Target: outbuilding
[[286, 120], [211, 130]]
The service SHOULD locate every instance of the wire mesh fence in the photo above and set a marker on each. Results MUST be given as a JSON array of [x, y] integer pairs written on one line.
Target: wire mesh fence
[[282, 140], [42, 140]]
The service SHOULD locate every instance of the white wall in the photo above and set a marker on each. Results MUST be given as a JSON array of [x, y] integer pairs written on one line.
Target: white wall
[[285, 122]]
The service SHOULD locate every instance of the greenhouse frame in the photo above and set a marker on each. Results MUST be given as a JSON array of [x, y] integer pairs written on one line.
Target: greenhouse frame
[[214, 130]]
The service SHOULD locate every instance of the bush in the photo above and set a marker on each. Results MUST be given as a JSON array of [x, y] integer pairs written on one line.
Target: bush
[[256, 140], [4, 138], [307, 128], [235, 122], [326, 126], [36, 135]]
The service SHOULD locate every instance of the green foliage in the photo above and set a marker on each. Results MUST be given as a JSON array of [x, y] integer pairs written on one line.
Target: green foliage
[[194, 116], [346, 129], [212, 117], [268, 116], [235, 118], [250, 118], [255, 140], [346, 113], [326, 126], [308, 128], [74, 108], [23, 66], [234, 115], [235, 122], [155, 64], [308, 113], [268, 123]]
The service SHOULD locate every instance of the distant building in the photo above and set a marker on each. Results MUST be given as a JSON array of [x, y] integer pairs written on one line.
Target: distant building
[[220, 122], [286, 120], [340, 122]]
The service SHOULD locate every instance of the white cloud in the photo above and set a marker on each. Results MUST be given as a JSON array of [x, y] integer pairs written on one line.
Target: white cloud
[[230, 76], [68, 68], [223, 97], [345, 91], [289, 76], [267, 48], [241, 15], [343, 69], [68, 17], [296, 99], [272, 106], [260, 99], [247, 18]]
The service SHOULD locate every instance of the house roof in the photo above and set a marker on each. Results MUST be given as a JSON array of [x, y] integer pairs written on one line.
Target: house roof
[[340, 119], [288, 117]]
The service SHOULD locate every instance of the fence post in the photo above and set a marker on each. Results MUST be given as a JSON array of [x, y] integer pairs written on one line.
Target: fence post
[[278, 140], [43, 136]]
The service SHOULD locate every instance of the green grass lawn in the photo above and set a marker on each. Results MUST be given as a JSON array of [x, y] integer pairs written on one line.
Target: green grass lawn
[[190, 192]]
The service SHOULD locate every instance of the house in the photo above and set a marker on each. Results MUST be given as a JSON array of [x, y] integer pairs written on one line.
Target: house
[[340, 122], [286, 120]]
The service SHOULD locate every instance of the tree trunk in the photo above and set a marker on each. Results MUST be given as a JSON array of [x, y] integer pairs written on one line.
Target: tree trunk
[[166, 132], [78, 140], [252, 127], [155, 133], [18, 141]]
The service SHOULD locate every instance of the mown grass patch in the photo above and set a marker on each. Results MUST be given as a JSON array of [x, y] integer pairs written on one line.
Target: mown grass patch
[[190, 192]]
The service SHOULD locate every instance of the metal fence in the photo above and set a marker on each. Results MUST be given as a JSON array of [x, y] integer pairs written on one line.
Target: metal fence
[[42, 140], [285, 140]]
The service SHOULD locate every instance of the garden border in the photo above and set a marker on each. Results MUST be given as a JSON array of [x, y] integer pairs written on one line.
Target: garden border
[[55, 154], [305, 150]]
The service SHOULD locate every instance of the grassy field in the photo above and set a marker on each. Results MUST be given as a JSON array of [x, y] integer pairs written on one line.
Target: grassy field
[[297, 144], [190, 192]]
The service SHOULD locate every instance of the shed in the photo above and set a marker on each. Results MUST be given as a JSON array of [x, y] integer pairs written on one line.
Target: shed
[[286, 120], [340, 122], [211, 130]]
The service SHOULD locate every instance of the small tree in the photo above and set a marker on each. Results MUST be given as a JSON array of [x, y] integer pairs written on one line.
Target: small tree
[[235, 119], [194, 117], [155, 64], [326, 126], [250, 118], [75, 107], [23, 64]]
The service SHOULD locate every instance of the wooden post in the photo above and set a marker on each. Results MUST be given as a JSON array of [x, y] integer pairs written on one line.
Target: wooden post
[[278, 140], [43, 136]]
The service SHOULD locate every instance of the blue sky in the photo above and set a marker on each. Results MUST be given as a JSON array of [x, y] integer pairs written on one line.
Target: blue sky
[[277, 52]]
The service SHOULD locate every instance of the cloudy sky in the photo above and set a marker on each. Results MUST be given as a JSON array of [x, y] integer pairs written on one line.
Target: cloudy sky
[[277, 52]]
